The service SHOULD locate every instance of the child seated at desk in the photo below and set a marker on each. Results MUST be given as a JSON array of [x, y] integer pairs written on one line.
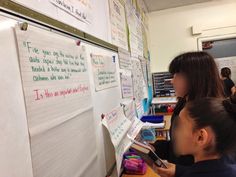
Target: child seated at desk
[[206, 129]]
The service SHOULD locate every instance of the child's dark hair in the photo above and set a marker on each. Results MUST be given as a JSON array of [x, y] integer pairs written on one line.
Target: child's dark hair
[[201, 72], [225, 72], [220, 115]]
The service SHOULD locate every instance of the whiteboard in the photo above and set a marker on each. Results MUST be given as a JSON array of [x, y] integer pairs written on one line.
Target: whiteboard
[[97, 14], [15, 154], [18, 148], [103, 102]]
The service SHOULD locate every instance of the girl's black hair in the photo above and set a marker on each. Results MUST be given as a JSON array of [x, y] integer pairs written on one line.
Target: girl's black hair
[[225, 72], [201, 72], [220, 115]]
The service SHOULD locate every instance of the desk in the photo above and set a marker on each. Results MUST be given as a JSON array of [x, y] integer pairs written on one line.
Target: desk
[[162, 101], [163, 133], [149, 173], [167, 119]]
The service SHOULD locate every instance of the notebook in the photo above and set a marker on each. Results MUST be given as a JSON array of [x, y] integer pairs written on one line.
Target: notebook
[[146, 152]]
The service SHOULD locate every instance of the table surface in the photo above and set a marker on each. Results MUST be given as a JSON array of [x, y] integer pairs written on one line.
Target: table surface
[[164, 100], [149, 173], [167, 120]]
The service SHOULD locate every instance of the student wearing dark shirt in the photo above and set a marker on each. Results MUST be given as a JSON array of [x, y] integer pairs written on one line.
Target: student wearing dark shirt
[[229, 86], [206, 129], [195, 75]]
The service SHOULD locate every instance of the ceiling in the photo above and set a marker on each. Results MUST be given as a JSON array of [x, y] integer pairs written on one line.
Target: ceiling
[[155, 5]]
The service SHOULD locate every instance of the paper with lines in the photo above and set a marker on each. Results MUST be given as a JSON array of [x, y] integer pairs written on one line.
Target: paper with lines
[[129, 110], [54, 75], [118, 24], [135, 31], [140, 88], [124, 59], [123, 147], [139, 109], [104, 71], [117, 125], [126, 85], [58, 103]]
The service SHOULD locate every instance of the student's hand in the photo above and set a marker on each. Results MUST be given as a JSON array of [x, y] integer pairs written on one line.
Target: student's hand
[[166, 172], [152, 147]]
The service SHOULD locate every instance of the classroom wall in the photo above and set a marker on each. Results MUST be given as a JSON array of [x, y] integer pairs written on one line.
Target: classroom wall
[[171, 32], [15, 155]]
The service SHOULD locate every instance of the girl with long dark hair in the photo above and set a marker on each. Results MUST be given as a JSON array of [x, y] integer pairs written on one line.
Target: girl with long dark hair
[[195, 76]]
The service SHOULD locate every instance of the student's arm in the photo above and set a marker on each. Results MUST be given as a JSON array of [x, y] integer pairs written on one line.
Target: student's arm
[[166, 172], [232, 87], [233, 90], [180, 170]]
